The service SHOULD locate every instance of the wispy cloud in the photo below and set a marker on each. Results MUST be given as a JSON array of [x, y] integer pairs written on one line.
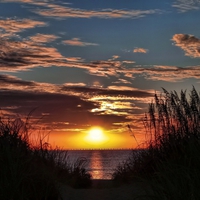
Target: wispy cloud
[[156, 73], [165, 73], [121, 80], [75, 59], [8, 81], [186, 5], [189, 43], [75, 84], [105, 68], [125, 88], [78, 42], [32, 52], [18, 25], [54, 10], [26, 54], [140, 50], [43, 38], [34, 2], [114, 57]]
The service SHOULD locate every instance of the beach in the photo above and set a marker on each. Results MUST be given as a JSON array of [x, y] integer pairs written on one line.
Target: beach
[[104, 190]]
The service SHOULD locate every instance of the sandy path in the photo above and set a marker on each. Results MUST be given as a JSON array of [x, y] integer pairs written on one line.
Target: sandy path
[[103, 190]]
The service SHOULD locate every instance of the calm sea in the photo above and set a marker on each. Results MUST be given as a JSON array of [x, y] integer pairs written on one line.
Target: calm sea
[[100, 163]]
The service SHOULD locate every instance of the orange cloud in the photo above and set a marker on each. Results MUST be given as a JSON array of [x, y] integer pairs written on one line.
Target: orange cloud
[[54, 10], [128, 61], [34, 2], [30, 53], [43, 38], [13, 26], [140, 50], [121, 80], [165, 73], [75, 59], [75, 84], [114, 57], [78, 42], [125, 88], [189, 43], [26, 54]]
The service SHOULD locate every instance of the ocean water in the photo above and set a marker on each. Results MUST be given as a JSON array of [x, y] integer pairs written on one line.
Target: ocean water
[[100, 163]]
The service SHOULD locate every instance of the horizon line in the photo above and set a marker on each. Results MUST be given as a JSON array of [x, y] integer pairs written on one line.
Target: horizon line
[[85, 149]]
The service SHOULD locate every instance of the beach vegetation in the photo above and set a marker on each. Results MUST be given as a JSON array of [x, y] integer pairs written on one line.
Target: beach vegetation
[[36, 171], [170, 163]]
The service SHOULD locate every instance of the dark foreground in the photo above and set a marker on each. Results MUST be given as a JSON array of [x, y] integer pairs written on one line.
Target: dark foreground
[[104, 190]]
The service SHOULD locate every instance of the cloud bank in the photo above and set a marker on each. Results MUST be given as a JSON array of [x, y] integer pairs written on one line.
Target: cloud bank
[[69, 106]]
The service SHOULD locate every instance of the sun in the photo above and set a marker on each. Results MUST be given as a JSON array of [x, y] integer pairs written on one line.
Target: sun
[[96, 135]]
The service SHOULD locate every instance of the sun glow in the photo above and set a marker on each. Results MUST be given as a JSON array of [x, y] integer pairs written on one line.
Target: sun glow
[[96, 135]]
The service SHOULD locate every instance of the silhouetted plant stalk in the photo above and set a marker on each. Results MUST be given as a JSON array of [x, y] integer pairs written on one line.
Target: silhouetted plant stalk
[[172, 115], [172, 126], [34, 171]]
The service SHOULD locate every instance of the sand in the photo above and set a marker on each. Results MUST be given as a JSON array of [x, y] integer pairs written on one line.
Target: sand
[[104, 190]]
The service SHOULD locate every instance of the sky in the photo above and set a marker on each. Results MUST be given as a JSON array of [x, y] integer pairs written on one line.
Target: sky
[[75, 64]]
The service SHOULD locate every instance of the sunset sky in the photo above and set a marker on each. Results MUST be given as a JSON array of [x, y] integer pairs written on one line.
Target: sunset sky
[[83, 63]]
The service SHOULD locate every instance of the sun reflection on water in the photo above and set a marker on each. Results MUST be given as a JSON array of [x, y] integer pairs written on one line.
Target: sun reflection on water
[[96, 165]]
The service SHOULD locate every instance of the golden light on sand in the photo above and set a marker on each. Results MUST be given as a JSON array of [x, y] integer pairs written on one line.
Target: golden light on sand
[[96, 135]]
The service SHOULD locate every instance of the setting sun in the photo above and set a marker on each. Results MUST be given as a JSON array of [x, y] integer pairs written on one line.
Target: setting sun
[[96, 135]]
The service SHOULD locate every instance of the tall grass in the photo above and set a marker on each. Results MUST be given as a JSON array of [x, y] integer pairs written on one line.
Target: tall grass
[[172, 157], [34, 172]]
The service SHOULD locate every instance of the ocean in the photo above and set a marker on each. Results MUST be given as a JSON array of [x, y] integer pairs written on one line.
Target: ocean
[[100, 163]]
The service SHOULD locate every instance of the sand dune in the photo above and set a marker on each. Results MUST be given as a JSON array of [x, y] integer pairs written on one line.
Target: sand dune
[[104, 190]]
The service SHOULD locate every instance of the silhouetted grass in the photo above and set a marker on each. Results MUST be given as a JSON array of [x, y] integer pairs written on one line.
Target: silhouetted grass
[[171, 160], [34, 172]]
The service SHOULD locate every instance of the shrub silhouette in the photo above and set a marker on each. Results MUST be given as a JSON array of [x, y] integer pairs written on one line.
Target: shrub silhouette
[[172, 159], [33, 172]]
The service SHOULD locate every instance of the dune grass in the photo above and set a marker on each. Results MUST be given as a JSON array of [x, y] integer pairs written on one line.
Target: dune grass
[[171, 162], [34, 172]]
